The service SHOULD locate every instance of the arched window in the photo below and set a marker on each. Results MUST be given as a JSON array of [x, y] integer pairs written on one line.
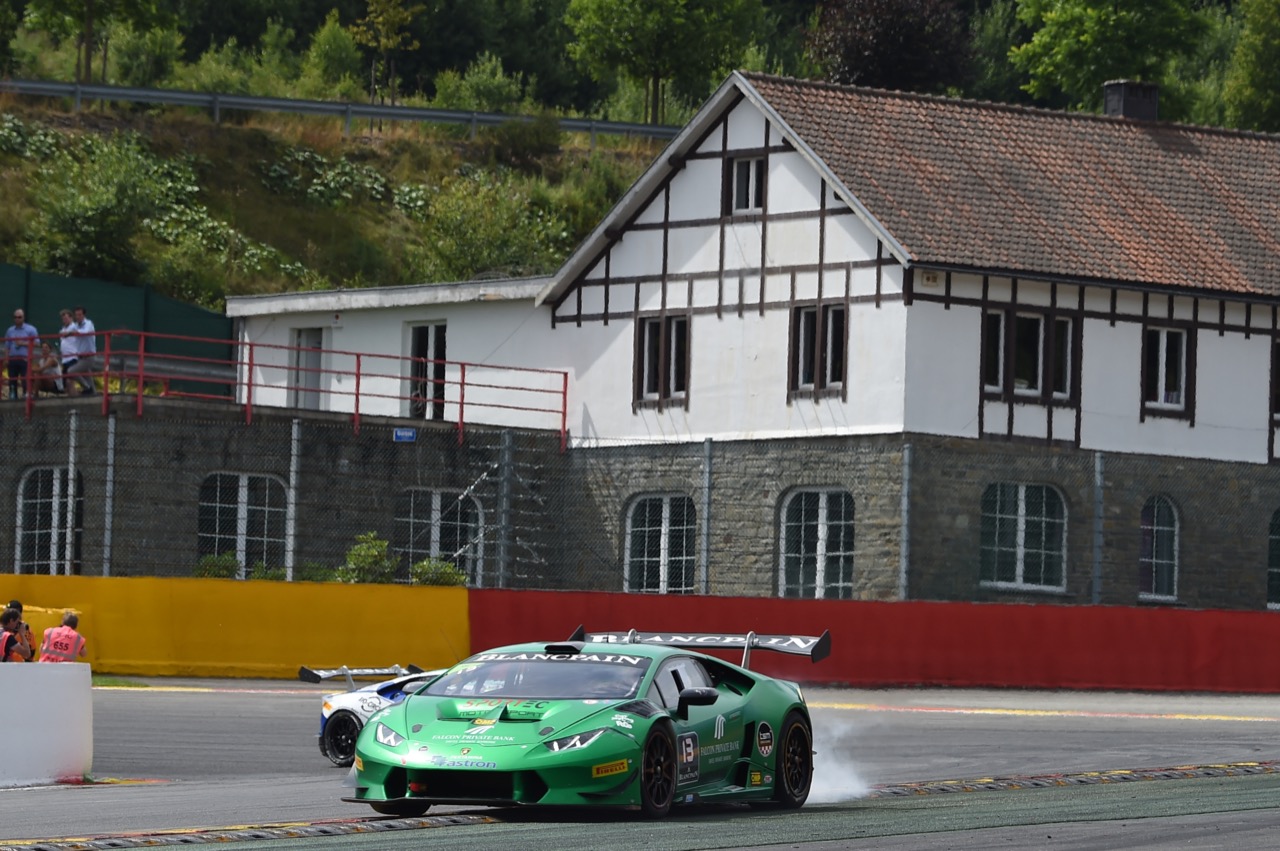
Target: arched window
[[1024, 537], [50, 522], [443, 525], [661, 555], [817, 544], [1273, 563], [1158, 551], [244, 514]]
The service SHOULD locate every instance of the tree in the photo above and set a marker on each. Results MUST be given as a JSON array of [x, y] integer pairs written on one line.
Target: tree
[[656, 42], [1078, 45], [384, 28], [995, 30], [87, 20], [1252, 93], [912, 45]]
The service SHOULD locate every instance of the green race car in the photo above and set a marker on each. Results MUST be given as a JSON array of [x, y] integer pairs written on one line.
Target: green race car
[[617, 719]]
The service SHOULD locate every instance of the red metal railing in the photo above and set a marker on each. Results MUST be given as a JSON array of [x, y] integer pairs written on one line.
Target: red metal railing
[[258, 375]]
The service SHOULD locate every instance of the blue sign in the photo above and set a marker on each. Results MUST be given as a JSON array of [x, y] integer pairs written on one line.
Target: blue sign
[[404, 435]]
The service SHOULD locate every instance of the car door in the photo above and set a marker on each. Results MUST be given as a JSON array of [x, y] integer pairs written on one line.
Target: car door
[[709, 741]]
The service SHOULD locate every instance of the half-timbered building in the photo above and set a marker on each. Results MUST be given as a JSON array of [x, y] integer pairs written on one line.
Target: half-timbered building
[[854, 343]]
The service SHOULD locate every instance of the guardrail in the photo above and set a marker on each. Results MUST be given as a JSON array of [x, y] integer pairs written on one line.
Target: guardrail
[[147, 365], [216, 102]]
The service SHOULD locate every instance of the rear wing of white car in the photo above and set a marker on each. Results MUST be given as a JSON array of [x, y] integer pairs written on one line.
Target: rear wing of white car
[[315, 675], [816, 648]]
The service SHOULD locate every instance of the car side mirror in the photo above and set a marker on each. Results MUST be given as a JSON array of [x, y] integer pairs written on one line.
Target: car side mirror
[[695, 697]]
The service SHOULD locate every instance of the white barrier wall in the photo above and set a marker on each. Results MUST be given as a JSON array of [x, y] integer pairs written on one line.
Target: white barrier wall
[[47, 713]]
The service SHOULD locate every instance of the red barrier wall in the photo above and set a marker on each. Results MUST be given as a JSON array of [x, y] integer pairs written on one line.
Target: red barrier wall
[[931, 644]]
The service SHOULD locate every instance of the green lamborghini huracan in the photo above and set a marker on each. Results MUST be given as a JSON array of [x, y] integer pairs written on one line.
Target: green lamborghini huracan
[[634, 720]]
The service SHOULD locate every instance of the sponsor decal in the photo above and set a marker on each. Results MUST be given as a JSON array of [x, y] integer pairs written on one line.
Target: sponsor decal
[[768, 778], [455, 762], [623, 721], [511, 702], [757, 779], [484, 722], [687, 758], [609, 768], [465, 751], [764, 739], [370, 704], [719, 726], [796, 642], [611, 658], [472, 734]]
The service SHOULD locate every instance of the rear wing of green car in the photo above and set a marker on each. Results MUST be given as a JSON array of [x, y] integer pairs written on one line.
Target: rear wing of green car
[[816, 648]]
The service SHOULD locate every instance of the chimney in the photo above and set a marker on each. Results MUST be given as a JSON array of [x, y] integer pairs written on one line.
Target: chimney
[[1131, 99]]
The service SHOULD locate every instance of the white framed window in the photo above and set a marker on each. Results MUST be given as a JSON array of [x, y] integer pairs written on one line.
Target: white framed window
[[1039, 352], [748, 184], [1024, 537], [817, 544], [818, 348], [661, 554], [443, 525], [1164, 369], [428, 371], [50, 522], [1158, 551], [1273, 563], [663, 358], [244, 514]]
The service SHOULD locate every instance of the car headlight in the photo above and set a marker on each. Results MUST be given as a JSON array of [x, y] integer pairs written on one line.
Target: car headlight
[[388, 737], [577, 740]]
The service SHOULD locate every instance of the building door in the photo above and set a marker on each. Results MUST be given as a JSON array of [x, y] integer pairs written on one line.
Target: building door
[[427, 372], [304, 377]]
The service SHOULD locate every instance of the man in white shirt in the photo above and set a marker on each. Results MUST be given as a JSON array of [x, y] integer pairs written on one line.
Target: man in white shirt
[[79, 349]]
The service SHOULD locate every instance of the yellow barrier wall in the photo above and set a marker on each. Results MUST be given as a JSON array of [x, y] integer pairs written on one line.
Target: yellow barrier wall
[[230, 628]]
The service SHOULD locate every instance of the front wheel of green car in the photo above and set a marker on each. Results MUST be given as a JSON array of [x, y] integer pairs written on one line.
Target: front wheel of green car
[[795, 762], [404, 809], [658, 772]]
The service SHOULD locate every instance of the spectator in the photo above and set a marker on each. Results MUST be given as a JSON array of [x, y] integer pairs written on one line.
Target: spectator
[[19, 341], [79, 348], [12, 646], [25, 628], [45, 372], [63, 643]]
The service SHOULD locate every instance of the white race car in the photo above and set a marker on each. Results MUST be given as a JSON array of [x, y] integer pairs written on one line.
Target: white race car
[[343, 713]]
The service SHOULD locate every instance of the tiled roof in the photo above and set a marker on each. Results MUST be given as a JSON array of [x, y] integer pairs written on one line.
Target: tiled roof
[[1005, 188]]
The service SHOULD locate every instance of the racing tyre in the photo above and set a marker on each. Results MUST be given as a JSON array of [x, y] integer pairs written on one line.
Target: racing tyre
[[658, 772], [795, 762], [338, 742], [404, 809]]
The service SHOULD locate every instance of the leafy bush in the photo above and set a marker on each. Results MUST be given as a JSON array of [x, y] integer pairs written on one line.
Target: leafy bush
[[524, 144], [312, 571], [483, 88], [333, 55], [29, 141], [261, 571], [146, 58], [368, 561], [431, 571], [220, 566]]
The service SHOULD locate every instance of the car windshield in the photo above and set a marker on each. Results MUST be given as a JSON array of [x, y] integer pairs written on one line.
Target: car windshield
[[566, 677]]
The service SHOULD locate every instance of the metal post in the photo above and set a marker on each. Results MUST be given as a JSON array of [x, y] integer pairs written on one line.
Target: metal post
[[1098, 501], [904, 546], [704, 560], [291, 499], [109, 495], [69, 517], [506, 467]]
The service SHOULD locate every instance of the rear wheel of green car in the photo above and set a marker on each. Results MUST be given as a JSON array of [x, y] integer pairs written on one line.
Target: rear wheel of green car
[[404, 809], [658, 772], [795, 762]]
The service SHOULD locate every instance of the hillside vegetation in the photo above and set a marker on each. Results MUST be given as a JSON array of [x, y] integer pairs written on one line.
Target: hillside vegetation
[[277, 204]]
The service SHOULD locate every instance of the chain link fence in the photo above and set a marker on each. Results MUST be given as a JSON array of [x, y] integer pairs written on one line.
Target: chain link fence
[[193, 490]]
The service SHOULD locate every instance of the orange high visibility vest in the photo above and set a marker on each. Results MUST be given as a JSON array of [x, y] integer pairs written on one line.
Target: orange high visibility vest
[[61, 644]]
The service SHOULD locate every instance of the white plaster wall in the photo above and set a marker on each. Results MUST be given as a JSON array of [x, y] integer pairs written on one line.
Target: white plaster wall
[[746, 127], [695, 193], [793, 184], [1232, 395], [942, 385]]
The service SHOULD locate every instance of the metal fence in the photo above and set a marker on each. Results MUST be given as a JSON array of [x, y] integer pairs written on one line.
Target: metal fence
[[215, 103], [192, 489]]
